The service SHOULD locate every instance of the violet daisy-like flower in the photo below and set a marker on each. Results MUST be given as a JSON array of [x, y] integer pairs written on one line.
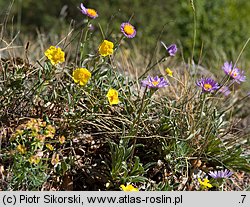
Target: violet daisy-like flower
[[234, 72], [154, 82], [128, 30], [89, 12], [207, 84], [221, 174], [171, 49]]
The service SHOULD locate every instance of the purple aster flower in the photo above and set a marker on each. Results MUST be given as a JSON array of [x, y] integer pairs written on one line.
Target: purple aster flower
[[128, 30], [234, 72], [225, 90], [89, 12], [221, 174], [172, 49], [155, 82], [207, 84]]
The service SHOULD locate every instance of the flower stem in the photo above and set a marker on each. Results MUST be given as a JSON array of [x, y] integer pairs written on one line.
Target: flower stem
[[136, 122]]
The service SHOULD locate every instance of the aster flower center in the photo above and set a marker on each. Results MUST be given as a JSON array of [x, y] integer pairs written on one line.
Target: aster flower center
[[91, 12], [128, 29], [155, 83], [207, 86], [233, 73]]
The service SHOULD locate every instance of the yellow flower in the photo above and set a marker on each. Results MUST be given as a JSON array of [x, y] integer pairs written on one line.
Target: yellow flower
[[34, 159], [112, 96], [50, 147], [62, 139], [55, 55], [169, 72], [205, 183], [106, 48], [81, 76], [128, 188], [55, 159], [21, 148], [50, 131]]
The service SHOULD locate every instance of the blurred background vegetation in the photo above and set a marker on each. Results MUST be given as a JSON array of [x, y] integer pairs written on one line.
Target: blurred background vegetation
[[222, 25]]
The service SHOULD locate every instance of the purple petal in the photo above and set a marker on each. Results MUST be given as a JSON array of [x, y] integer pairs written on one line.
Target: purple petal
[[212, 174], [144, 83], [172, 49], [220, 174], [84, 10], [227, 67]]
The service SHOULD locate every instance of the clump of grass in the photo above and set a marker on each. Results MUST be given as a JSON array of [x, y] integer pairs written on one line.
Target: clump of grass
[[165, 131]]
